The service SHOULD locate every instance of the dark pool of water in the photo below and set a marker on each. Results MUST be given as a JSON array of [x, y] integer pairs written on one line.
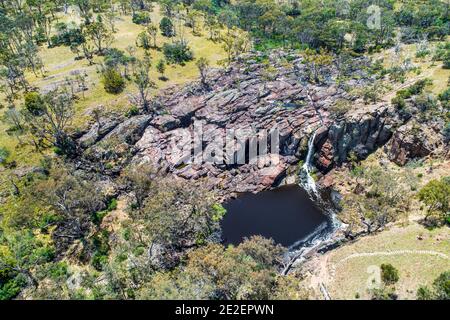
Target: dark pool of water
[[285, 214]]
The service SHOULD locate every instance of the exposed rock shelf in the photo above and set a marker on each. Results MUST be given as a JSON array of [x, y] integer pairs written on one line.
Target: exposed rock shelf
[[247, 95]]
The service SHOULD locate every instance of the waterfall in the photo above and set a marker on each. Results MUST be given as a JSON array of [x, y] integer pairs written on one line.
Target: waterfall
[[323, 233], [307, 181]]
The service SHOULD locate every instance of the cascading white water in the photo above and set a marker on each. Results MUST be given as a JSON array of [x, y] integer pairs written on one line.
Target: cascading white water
[[325, 231], [307, 181]]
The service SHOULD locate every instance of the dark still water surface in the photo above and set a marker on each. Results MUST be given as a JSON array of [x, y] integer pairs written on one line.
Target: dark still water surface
[[285, 214]]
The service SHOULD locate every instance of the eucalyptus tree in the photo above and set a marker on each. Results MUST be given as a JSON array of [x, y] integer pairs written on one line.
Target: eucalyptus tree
[[142, 80]]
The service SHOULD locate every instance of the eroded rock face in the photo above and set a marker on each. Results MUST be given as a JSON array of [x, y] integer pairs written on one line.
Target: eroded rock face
[[247, 97], [360, 133], [414, 140]]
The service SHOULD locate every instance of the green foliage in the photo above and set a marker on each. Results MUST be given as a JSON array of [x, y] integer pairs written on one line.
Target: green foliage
[[220, 212], [143, 40], [443, 54], [20, 252], [424, 102], [34, 103], [447, 132], [4, 154], [383, 293], [102, 248], [385, 197], [399, 102], [166, 27], [99, 34], [177, 52], [133, 111], [436, 196], [415, 89], [440, 289], [67, 35], [161, 68], [115, 57], [99, 215], [247, 271], [113, 82], [389, 274], [12, 287], [444, 97], [48, 119], [340, 108], [141, 17], [202, 65]]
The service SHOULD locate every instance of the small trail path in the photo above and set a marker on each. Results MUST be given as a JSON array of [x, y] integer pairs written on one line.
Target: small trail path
[[327, 270], [392, 253]]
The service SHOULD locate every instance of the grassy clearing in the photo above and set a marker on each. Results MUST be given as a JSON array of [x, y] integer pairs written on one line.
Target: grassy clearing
[[59, 62], [427, 68], [351, 277]]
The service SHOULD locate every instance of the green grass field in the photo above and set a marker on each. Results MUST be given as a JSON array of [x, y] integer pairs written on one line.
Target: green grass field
[[59, 62], [350, 274]]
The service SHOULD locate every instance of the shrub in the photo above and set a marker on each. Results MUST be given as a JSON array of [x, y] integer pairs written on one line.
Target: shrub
[[166, 27], [101, 244], [384, 293], [34, 103], [418, 87], [439, 291], [133, 111], [422, 53], [67, 36], [389, 274], [398, 102], [177, 52], [436, 195], [161, 68], [443, 54], [112, 81], [4, 154], [424, 102], [447, 132], [141, 18], [415, 89], [115, 57], [143, 40], [11, 288], [341, 107], [444, 97]]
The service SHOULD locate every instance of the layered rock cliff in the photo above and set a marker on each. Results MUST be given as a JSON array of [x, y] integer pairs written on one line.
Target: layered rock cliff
[[255, 94]]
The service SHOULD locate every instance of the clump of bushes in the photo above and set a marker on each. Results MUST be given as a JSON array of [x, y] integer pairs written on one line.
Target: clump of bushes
[[133, 111], [113, 81], [141, 17], [341, 107], [417, 88], [389, 274], [444, 97], [443, 54], [166, 27], [424, 102], [177, 52], [101, 245], [67, 35], [34, 103], [440, 289], [398, 102], [4, 154], [447, 132], [143, 40]]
